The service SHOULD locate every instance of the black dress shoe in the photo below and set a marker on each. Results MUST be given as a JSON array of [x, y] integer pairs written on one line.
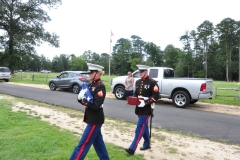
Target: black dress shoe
[[145, 148], [129, 151]]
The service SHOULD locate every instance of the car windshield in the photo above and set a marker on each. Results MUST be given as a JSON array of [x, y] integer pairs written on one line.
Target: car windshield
[[136, 74], [4, 70], [70, 75], [168, 73], [64, 75]]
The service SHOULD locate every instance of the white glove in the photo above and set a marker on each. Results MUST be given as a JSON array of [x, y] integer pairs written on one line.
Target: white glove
[[81, 94], [142, 103], [152, 105]]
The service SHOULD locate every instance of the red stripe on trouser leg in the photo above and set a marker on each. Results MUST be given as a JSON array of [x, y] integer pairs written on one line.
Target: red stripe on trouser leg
[[141, 133], [83, 146]]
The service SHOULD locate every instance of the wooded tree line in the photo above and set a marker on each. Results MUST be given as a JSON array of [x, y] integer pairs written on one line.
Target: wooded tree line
[[209, 51]]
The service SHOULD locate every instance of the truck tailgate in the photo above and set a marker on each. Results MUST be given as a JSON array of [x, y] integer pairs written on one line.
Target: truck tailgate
[[209, 84]]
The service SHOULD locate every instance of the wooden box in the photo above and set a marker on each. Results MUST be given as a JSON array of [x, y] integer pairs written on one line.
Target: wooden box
[[133, 100]]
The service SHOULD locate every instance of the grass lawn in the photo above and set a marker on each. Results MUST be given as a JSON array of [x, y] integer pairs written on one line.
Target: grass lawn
[[24, 137], [229, 97]]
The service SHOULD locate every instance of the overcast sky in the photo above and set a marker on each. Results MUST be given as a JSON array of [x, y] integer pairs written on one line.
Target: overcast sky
[[86, 24]]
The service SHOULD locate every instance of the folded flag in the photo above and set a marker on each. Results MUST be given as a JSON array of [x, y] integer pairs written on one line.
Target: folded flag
[[86, 92]]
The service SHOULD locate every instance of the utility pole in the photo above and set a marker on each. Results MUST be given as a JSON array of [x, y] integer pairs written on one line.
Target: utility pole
[[110, 57]]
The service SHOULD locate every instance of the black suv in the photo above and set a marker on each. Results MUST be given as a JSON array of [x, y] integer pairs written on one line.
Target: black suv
[[69, 80], [5, 74]]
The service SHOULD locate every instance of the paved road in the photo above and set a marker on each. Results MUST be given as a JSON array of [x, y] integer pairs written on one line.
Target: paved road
[[209, 125]]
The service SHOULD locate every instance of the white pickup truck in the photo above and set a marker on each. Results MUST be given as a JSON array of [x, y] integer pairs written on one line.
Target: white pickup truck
[[45, 71], [182, 91]]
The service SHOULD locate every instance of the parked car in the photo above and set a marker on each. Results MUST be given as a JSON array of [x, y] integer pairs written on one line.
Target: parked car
[[69, 80], [45, 71], [5, 74]]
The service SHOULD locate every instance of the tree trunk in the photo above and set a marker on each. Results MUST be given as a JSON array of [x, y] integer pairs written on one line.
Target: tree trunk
[[230, 64], [10, 45], [227, 66], [206, 59]]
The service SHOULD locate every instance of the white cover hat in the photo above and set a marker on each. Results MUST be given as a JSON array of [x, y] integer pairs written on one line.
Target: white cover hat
[[94, 67], [142, 67]]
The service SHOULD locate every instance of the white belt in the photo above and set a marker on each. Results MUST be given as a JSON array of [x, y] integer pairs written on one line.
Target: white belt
[[145, 98]]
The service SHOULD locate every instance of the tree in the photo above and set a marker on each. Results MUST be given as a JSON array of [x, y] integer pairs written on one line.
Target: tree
[[171, 56], [138, 45], [206, 32], [22, 24], [87, 56], [34, 63], [216, 61], [227, 35], [238, 37], [197, 55], [133, 62], [154, 53], [121, 54], [65, 61], [104, 61], [96, 58], [78, 64], [181, 68], [186, 39], [72, 56]]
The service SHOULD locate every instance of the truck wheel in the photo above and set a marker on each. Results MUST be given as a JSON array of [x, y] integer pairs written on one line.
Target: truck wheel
[[119, 92], [181, 99], [193, 101]]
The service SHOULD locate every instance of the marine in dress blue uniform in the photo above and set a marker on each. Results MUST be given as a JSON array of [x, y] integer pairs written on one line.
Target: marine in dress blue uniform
[[147, 89], [93, 116]]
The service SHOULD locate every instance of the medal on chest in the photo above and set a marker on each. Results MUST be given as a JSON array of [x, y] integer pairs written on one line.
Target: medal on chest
[[146, 86]]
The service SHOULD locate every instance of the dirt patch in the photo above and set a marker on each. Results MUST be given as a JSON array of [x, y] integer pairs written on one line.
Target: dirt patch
[[220, 108]]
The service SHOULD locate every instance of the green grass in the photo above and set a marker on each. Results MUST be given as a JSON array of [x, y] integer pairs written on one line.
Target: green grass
[[228, 97], [24, 137], [32, 77], [173, 150]]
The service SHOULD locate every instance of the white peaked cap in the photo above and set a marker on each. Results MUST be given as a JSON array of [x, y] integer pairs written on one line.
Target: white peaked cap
[[94, 67], [142, 67]]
